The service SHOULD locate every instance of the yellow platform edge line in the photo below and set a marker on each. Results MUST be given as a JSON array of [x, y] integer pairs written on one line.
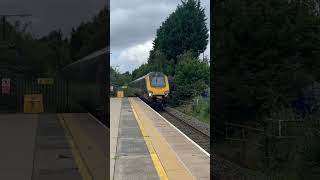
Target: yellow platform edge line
[[155, 159], [82, 168]]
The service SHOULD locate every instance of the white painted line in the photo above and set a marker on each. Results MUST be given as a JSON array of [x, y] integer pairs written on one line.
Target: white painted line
[[205, 152], [103, 125]]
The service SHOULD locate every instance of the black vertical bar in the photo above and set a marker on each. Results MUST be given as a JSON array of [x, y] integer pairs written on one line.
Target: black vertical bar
[[266, 146], [68, 106], [4, 27]]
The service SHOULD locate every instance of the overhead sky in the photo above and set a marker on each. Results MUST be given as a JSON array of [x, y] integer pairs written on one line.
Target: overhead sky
[[48, 15], [133, 28]]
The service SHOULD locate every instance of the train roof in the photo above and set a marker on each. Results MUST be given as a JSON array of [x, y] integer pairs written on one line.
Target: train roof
[[91, 56], [142, 77]]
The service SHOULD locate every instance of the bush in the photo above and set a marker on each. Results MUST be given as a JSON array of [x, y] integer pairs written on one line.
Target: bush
[[192, 77]]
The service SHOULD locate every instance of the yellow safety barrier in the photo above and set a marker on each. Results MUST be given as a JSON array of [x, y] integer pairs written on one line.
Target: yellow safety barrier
[[33, 103], [120, 94]]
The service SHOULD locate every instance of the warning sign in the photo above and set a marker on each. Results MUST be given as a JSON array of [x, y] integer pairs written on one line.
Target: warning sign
[[5, 86]]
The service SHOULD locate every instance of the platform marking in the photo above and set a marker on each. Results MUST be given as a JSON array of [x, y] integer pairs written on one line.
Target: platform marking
[[99, 122], [204, 151], [156, 161], [83, 168]]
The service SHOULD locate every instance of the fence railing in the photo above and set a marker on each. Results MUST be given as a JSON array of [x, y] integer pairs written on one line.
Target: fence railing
[[55, 95], [273, 138]]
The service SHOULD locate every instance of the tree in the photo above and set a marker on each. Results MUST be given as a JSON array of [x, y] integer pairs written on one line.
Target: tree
[[264, 55], [119, 79], [58, 53], [184, 30], [90, 36], [141, 71], [192, 77]]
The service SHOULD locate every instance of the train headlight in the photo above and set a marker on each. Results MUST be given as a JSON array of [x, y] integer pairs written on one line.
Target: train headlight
[[166, 93], [150, 93]]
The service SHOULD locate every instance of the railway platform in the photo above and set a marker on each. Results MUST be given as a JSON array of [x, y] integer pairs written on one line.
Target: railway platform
[[53, 146], [144, 145]]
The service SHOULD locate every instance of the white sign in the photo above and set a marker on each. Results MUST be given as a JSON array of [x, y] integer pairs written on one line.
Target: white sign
[[111, 88]]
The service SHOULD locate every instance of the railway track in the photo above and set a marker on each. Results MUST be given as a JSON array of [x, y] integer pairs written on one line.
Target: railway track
[[221, 169]]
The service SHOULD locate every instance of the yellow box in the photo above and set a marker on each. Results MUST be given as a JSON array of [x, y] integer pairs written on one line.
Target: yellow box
[[120, 94], [33, 103]]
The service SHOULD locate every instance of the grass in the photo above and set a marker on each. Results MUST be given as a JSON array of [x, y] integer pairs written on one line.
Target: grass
[[199, 108], [289, 159]]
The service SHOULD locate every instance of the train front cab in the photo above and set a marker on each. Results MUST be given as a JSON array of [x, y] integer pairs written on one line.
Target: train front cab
[[157, 85]]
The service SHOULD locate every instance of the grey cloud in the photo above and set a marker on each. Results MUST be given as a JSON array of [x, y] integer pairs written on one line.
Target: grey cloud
[[132, 26], [49, 15], [136, 21]]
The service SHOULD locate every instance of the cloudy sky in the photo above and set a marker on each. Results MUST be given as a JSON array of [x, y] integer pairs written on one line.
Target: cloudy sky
[[48, 15], [133, 28]]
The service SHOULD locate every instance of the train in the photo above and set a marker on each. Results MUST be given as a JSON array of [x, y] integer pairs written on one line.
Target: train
[[152, 87], [87, 84]]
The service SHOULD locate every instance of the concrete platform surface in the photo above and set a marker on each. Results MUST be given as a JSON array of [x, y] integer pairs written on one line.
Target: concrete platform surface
[[52, 154], [145, 146], [17, 137], [132, 160], [34, 147], [90, 140], [115, 108], [180, 158]]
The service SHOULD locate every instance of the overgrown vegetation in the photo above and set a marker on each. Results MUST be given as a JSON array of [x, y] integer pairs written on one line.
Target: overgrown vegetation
[[118, 80], [191, 78], [198, 107], [266, 54], [47, 55], [179, 41]]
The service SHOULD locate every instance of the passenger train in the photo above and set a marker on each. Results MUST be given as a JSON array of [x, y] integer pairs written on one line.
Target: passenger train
[[152, 87], [87, 84]]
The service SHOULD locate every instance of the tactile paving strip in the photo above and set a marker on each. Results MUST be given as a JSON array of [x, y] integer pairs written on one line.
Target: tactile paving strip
[[133, 161], [53, 158]]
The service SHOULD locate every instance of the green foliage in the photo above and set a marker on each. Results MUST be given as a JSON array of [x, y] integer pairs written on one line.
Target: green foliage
[[264, 55], [141, 71], [57, 54], [192, 77], [47, 55], [198, 107], [179, 41], [184, 30], [90, 36], [118, 79], [201, 109]]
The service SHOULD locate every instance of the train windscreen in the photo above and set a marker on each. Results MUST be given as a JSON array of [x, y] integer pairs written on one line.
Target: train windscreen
[[158, 81]]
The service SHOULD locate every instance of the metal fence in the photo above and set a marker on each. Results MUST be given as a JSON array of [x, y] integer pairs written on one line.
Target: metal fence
[[266, 143], [55, 95]]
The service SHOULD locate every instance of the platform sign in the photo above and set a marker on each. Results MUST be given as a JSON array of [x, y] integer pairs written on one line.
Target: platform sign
[[45, 81], [5, 86]]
